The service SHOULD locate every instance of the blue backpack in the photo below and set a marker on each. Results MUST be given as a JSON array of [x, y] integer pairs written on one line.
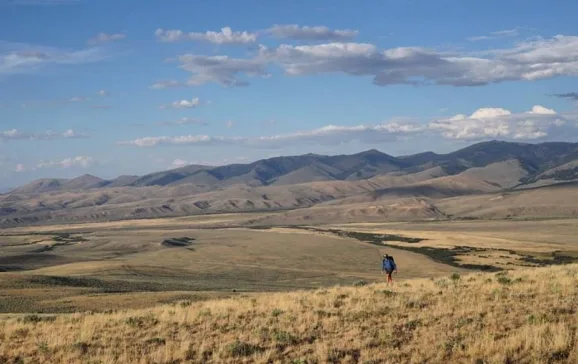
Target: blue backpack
[[388, 265]]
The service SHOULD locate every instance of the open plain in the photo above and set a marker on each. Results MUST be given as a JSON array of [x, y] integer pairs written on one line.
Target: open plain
[[140, 263]]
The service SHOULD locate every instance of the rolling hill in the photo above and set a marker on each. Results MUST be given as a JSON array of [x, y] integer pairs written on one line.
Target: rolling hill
[[371, 183]]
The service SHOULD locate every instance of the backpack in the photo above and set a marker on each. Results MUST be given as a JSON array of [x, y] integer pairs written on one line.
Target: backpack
[[388, 265]]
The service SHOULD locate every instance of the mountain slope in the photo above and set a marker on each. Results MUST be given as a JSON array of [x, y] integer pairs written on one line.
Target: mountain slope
[[83, 182], [426, 182], [41, 186]]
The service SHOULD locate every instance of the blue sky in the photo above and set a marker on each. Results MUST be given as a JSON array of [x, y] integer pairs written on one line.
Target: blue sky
[[130, 87]]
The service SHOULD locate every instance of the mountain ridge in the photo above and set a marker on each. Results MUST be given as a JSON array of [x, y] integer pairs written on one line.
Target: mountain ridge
[[368, 185], [535, 158]]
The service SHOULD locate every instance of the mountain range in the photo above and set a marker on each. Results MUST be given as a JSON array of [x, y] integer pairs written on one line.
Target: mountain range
[[414, 186]]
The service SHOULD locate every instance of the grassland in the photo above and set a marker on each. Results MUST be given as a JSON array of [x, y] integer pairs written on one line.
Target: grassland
[[524, 316], [143, 263]]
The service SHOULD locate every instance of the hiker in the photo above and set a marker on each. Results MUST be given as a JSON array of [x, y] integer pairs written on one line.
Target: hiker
[[388, 267]]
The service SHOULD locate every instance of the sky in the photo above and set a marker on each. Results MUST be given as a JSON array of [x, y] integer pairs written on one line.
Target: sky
[[125, 87]]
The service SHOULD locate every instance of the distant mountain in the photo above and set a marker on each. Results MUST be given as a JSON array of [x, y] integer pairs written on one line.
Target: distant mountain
[[41, 186], [121, 181], [373, 181], [531, 161], [83, 183]]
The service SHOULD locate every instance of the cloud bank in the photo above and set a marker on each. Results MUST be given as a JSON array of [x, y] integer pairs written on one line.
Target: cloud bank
[[527, 61], [15, 135], [484, 123]]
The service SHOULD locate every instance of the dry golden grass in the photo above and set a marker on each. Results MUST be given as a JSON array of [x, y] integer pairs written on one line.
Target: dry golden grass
[[526, 316]]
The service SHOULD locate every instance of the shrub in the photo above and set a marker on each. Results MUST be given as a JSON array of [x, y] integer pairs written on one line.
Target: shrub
[[156, 341], [240, 349], [360, 283], [205, 313], [20, 334], [504, 280], [43, 347], [455, 277], [387, 293], [186, 303], [277, 312], [34, 319], [284, 337], [441, 283], [142, 321], [82, 347]]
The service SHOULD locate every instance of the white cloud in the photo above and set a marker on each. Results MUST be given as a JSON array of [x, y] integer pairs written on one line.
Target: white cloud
[[315, 33], [177, 163], [106, 38], [167, 84], [18, 57], [103, 93], [544, 58], [77, 99], [183, 104], [220, 69], [225, 36], [537, 109], [500, 123], [498, 34], [182, 121], [484, 123], [15, 134], [532, 60], [73, 162], [330, 134], [230, 124]]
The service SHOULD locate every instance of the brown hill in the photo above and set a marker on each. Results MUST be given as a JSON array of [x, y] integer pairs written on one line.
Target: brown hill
[[432, 184]]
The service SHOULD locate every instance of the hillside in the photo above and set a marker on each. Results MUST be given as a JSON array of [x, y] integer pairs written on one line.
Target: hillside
[[531, 161], [526, 316], [371, 183]]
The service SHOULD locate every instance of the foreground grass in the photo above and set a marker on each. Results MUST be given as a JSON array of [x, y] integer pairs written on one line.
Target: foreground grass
[[527, 316]]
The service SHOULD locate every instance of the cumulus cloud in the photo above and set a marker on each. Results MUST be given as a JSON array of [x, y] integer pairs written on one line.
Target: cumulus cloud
[[103, 93], [182, 121], [498, 34], [540, 59], [177, 163], [18, 57], [500, 123], [183, 104], [569, 95], [483, 124], [230, 124], [15, 134], [220, 69], [225, 36], [101, 38], [315, 33]]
